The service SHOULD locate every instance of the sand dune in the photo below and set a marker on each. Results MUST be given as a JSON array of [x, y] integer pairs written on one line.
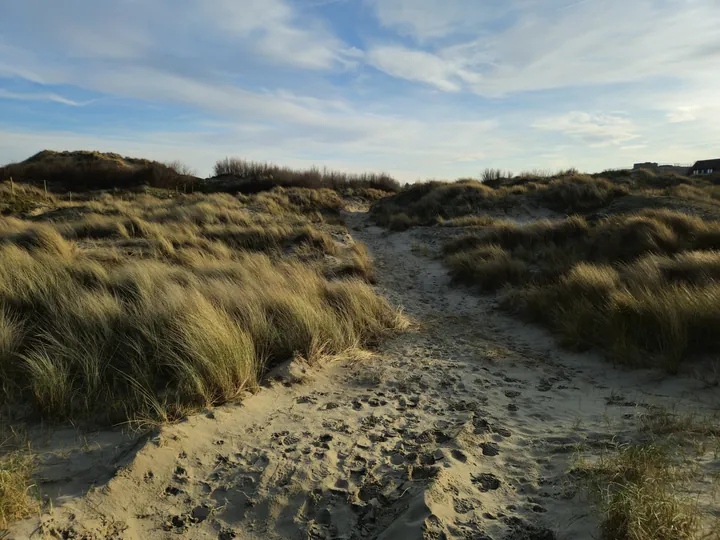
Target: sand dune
[[466, 427]]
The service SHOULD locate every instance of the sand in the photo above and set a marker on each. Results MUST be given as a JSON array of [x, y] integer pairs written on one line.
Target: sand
[[466, 427]]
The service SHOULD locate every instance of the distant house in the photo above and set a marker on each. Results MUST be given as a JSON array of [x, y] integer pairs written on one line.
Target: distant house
[[708, 166]]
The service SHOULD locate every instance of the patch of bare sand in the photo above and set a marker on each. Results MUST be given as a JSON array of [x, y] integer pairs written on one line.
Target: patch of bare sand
[[465, 428]]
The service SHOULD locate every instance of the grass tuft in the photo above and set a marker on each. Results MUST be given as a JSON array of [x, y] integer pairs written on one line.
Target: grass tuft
[[639, 494], [16, 500]]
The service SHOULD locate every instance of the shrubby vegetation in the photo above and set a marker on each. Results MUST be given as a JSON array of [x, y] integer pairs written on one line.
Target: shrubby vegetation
[[86, 171], [237, 175]]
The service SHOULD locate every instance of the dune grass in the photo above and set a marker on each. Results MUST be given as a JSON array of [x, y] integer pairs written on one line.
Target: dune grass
[[644, 287], [16, 499], [465, 202], [449, 203], [639, 493], [147, 308]]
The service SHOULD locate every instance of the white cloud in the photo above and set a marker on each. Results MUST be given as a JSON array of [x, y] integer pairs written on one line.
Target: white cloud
[[589, 43], [414, 65], [596, 130], [274, 28], [45, 96], [282, 80], [140, 31]]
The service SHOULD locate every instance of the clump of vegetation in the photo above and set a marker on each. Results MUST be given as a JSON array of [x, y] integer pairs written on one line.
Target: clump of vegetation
[[488, 266], [459, 203], [645, 287], [237, 175], [16, 500], [146, 308], [638, 489]]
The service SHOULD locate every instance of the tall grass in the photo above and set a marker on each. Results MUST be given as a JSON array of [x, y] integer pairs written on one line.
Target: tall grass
[[16, 500], [457, 203], [148, 308], [645, 287], [638, 491]]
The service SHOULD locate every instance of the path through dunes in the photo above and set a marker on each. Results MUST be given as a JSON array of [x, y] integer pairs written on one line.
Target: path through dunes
[[465, 427]]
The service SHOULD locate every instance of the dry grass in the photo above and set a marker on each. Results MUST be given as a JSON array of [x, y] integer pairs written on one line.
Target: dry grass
[[639, 491], [489, 267], [145, 308], [16, 500], [462, 202], [643, 286]]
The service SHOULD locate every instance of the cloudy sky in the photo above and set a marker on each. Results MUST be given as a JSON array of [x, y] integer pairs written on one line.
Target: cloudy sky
[[417, 88]]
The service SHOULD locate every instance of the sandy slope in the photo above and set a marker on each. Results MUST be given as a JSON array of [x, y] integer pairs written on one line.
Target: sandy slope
[[464, 428]]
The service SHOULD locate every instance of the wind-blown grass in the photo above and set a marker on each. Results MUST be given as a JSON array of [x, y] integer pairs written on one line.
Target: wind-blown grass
[[638, 492], [16, 501], [645, 287], [149, 308]]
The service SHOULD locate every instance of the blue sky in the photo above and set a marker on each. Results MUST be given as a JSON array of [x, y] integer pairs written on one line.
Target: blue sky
[[417, 88]]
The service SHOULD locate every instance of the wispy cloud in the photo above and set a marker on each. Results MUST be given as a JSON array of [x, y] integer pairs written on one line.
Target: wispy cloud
[[55, 98], [593, 129], [415, 65], [421, 87]]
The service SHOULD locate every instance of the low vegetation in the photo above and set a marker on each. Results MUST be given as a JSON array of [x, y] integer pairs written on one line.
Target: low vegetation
[[144, 307], [432, 202], [642, 286], [569, 192], [639, 490], [83, 171], [634, 269], [16, 499], [237, 175]]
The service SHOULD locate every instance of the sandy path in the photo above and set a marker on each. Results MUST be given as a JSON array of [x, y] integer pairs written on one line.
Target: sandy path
[[465, 428]]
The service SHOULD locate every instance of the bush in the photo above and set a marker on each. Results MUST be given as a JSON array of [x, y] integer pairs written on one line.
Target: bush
[[237, 175], [400, 222]]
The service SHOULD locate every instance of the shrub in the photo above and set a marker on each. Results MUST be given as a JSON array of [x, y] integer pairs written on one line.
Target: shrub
[[400, 222], [237, 175]]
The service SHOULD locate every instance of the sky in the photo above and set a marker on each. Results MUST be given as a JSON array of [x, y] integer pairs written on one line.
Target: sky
[[415, 88]]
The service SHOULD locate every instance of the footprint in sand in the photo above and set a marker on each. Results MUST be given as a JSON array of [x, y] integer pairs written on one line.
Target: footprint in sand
[[459, 455], [486, 482], [490, 449]]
